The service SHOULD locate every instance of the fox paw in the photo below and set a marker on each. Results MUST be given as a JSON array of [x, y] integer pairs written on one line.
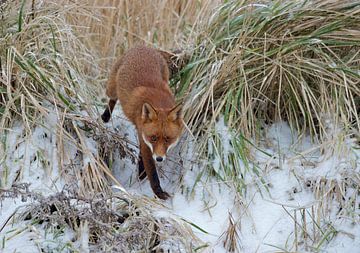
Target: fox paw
[[105, 116], [162, 195]]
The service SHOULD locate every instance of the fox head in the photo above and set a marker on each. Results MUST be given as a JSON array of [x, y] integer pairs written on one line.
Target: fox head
[[161, 129]]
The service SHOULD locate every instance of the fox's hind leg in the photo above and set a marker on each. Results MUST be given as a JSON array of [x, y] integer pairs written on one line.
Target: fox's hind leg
[[176, 60], [107, 113]]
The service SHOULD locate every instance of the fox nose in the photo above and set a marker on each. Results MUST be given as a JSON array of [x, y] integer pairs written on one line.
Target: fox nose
[[159, 159]]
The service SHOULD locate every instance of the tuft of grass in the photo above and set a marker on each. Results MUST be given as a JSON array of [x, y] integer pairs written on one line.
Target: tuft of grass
[[255, 64], [251, 64], [232, 238], [54, 59], [296, 61], [229, 159], [110, 222], [111, 27], [311, 229]]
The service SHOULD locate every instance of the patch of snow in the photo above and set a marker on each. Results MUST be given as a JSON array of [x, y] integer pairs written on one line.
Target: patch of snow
[[264, 217]]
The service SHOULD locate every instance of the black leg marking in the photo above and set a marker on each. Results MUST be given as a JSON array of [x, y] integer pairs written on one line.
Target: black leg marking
[[106, 115], [157, 188], [142, 173]]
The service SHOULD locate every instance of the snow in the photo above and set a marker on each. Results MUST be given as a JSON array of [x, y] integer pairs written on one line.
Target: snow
[[264, 216]]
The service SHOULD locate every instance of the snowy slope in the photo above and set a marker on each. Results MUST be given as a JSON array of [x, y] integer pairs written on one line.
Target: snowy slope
[[299, 193]]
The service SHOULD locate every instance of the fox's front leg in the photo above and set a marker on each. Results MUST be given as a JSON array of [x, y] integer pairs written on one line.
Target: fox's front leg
[[150, 169], [142, 173]]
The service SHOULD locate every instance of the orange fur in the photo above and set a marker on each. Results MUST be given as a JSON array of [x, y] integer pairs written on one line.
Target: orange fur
[[139, 79]]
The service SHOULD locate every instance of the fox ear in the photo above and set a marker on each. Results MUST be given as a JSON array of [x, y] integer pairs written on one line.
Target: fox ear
[[175, 113], [148, 112]]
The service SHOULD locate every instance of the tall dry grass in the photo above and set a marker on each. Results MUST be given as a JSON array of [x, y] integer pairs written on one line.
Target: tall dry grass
[[110, 27], [54, 60], [59, 53], [297, 61], [257, 63], [250, 63]]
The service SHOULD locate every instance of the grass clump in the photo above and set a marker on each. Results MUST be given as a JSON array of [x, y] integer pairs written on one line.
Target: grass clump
[[295, 61], [106, 223], [251, 64], [51, 81], [41, 60], [259, 63]]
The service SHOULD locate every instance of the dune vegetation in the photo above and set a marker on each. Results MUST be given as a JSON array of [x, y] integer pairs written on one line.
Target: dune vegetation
[[271, 94]]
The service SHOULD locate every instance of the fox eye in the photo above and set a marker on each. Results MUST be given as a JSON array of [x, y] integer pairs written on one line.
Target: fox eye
[[153, 138], [167, 139]]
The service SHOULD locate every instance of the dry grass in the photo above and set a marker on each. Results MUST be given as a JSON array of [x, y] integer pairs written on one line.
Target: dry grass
[[295, 61], [111, 27], [255, 64], [110, 222], [54, 59], [250, 63]]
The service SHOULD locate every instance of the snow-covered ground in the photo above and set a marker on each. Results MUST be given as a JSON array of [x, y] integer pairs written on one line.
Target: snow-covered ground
[[307, 198]]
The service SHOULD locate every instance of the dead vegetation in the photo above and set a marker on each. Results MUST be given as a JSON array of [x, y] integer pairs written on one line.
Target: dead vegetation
[[250, 64], [48, 67], [111, 223]]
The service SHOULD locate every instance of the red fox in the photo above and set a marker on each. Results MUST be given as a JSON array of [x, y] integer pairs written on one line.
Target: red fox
[[139, 79]]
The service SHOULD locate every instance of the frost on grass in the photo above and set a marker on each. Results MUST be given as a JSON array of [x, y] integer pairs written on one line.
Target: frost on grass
[[56, 196], [287, 194], [294, 195], [101, 223], [312, 199], [306, 200]]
